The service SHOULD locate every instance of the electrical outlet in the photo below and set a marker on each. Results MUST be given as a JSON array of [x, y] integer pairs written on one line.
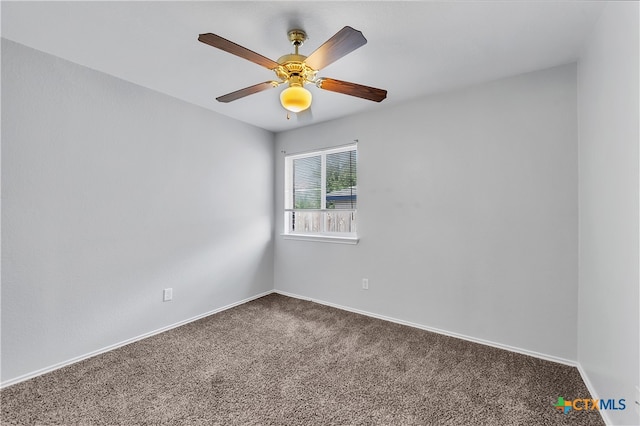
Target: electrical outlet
[[167, 294], [365, 283]]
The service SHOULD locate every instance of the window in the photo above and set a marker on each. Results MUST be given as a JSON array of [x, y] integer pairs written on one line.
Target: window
[[321, 194]]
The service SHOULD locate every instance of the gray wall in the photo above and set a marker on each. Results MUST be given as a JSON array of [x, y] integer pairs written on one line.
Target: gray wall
[[467, 207], [110, 193], [608, 323]]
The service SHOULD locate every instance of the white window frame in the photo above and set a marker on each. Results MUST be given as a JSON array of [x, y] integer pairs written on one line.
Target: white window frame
[[322, 236]]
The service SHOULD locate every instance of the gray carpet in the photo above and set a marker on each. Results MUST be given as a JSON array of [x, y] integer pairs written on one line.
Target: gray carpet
[[283, 361]]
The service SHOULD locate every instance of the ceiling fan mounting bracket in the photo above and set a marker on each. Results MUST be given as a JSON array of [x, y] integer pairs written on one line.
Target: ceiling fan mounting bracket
[[297, 37]]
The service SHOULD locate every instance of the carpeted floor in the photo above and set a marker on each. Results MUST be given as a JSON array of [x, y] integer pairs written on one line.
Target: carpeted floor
[[284, 361]]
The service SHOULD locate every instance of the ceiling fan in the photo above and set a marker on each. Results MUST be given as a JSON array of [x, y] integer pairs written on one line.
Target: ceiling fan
[[296, 70]]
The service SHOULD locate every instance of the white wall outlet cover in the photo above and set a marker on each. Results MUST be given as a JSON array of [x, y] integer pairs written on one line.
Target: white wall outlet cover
[[167, 294]]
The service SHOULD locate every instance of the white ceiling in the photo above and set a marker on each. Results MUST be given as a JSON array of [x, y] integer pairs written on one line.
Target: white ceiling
[[413, 49]]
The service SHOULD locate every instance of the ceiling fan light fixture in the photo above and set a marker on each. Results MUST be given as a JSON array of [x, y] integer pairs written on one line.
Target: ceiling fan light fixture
[[296, 70], [295, 98]]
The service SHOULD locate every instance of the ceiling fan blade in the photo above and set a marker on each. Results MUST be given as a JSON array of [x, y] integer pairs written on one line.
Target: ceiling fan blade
[[353, 89], [344, 41], [229, 97], [235, 49]]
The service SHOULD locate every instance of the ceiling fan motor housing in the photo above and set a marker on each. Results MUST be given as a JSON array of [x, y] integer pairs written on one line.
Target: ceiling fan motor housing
[[293, 66]]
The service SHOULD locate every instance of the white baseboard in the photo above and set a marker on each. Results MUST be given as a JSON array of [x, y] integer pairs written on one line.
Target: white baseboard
[[59, 365], [583, 374], [539, 355], [594, 394], [439, 331]]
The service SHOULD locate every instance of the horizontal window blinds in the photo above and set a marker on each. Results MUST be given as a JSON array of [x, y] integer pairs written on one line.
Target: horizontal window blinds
[[341, 189], [307, 183], [321, 193]]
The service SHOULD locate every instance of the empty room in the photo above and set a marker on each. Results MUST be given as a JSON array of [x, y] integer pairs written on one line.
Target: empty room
[[320, 213]]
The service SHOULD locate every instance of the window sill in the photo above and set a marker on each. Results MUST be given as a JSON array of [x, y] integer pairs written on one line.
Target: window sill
[[321, 238]]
